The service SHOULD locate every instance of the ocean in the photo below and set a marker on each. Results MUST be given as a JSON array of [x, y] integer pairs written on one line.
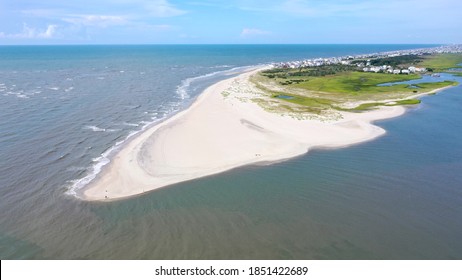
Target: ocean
[[65, 110]]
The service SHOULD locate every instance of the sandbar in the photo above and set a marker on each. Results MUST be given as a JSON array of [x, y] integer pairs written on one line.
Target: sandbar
[[223, 129]]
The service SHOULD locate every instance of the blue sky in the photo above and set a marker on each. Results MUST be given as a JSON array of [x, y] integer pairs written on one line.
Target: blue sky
[[229, 22]]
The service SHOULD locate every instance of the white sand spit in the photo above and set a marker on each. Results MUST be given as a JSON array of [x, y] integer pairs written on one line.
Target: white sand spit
[[220, 132]]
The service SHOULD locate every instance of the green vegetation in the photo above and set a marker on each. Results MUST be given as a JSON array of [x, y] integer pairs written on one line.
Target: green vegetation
[[368, 106], [312, 104], [324, 89], [396, 61], [319, 71], [425, 87], [407, 102], [442, 62], [318, 94], [355, 83]]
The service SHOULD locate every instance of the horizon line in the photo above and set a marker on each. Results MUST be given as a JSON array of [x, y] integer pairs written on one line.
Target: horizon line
[[211, 44]]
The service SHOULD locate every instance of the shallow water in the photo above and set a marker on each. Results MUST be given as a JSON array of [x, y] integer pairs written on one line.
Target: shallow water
[[64, 108], [427, 78]]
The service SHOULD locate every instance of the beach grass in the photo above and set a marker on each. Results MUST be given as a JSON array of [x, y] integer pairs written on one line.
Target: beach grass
[[407, 102], [351, 84], [306, 104], [306, 101], [442, 62], [335, 92], [424, 87], [357, 83], [346, 88], [372, 105]]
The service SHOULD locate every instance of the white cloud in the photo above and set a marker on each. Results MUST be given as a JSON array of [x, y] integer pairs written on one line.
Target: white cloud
[[246, 32], [119, 13], [144, 27], [42, 13], [27, 32], [32, 32], [140, 8], [360, 9], [143, 8], [51, 29], [303, 8], [96, 20], [162, 8]]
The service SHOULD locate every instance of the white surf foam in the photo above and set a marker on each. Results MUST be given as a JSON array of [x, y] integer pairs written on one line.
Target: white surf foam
[[95, 169], [130, 124], [76, 168], [182, 89], [156, 117], [94, 128], [221, 66], [99, 129]]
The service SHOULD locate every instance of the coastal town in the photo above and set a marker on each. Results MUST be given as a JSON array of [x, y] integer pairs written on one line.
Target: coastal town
[[363, 62]]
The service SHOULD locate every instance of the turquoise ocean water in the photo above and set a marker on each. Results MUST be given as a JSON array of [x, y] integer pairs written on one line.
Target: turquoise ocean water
[[64, 110]]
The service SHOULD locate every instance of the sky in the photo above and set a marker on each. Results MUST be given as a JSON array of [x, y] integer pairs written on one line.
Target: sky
[[230, 22]]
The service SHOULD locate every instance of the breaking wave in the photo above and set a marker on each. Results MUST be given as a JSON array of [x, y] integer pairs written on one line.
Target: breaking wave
[[162, 113]]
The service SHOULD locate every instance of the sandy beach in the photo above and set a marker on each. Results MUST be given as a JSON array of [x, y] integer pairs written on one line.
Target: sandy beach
[[223, 129]]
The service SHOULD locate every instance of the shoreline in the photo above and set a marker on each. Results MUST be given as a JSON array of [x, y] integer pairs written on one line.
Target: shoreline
[[219, 132]]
